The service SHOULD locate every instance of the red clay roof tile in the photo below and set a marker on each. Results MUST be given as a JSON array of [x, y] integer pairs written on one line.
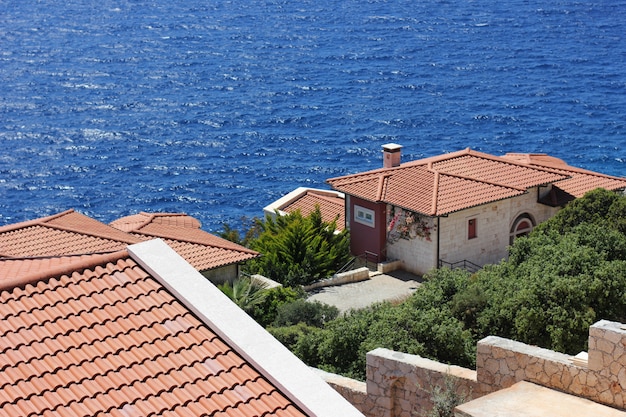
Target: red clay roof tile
[[447, 183], [136, 222], [61, 241], [110, 339], [579, 180], [331, 206]]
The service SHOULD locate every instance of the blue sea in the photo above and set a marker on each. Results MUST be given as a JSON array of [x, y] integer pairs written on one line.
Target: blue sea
[[217, 108]]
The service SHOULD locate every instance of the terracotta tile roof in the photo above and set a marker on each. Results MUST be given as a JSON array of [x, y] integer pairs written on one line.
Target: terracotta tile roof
[[66, 233], [446, 183], [579, 180], [137, 221], [110, 339], [330, 206], [71, 233], [182, 232]]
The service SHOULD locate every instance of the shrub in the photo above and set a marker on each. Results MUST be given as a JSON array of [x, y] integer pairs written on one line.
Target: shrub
[[301, 311]]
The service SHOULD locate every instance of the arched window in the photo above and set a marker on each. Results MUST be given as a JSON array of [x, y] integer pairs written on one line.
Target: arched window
[[522, 226]]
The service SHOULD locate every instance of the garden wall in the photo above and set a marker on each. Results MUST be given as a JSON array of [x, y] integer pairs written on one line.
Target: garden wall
[[402, 385]]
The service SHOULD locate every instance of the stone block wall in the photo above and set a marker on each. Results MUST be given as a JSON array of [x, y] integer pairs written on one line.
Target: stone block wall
[[352, 390], [403, 385], [501, 362]]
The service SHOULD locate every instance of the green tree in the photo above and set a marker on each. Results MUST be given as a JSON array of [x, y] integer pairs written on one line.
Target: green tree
[[554, 287], [298, 250], [600, 207], [251, 226], [247, 293]]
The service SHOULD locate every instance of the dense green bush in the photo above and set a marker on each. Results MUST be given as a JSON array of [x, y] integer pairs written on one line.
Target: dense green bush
[[265, 312], [312, 313]]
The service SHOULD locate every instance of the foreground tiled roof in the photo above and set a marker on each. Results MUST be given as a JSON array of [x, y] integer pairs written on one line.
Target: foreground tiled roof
[[331, 206], [182, 232], [111, 340], [579, 180], [447, 183], [66, 233]]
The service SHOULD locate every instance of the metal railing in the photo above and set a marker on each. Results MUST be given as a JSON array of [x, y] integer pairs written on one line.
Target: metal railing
[[464, 264]]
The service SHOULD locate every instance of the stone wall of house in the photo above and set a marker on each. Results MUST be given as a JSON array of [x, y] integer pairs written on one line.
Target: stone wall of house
[[418, 255], [492, 238], [494, 222], [402, 385], [221, 275]]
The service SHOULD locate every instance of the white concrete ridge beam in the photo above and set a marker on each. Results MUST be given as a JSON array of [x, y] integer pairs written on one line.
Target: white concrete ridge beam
[[295, 379]]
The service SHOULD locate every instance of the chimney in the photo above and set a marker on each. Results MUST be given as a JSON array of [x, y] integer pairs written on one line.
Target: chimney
[[391, 155]]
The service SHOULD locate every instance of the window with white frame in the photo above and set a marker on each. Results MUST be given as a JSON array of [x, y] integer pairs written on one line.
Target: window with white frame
[[364, 216]]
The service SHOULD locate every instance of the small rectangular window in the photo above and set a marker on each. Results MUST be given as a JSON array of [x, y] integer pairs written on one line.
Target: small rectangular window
[[364, 216], [471, 229]]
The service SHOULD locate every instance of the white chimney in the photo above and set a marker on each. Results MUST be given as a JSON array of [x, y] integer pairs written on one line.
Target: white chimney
[[391, 155]]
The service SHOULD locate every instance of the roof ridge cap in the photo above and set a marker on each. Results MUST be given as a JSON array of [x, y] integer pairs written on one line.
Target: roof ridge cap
[[442, 157], [433, 207], [81, 264], [198, 241], [381, 184], [579, 170], [465, 177], [131, 239], [507, 161], [33, 222], [324, 197], [149, 218]]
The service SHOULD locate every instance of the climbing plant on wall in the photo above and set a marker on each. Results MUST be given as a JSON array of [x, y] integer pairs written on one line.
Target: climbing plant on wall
[[405, 224]]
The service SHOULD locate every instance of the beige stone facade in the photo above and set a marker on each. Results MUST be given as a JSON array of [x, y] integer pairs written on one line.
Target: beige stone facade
[[402, 385], [449, 239]]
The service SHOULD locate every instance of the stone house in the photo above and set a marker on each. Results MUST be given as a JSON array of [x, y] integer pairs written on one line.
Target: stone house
[[457, 209]]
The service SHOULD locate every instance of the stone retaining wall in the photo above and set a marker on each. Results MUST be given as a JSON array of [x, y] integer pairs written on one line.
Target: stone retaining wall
[[501, 363], [352, 390], [402, 385]]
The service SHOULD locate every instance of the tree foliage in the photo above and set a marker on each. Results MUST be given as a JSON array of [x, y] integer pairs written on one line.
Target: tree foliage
[[265, 312], [298, 250], [251, 227], [312, 313], [247, 293], [569, 273]]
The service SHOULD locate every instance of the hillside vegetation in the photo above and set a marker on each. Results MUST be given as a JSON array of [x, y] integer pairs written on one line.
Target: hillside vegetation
[[569, 273]]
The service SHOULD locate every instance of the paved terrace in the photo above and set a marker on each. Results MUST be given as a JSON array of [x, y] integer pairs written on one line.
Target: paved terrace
[[395, 285]]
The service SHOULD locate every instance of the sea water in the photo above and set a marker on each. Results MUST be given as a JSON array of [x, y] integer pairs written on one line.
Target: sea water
[[217, 108]]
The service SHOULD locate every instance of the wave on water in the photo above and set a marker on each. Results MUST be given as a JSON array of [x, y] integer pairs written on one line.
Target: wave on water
[[218, 109]]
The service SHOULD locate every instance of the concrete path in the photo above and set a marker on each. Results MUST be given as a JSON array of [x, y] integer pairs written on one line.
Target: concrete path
[[396, 285]]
